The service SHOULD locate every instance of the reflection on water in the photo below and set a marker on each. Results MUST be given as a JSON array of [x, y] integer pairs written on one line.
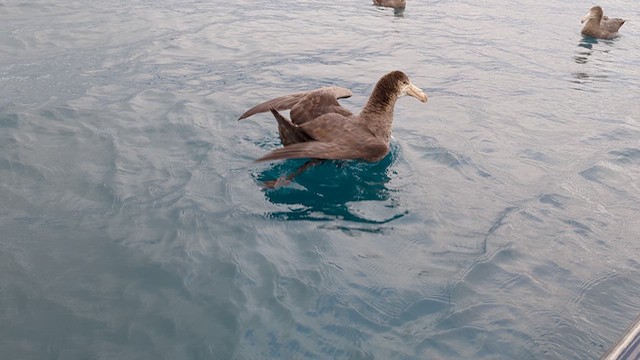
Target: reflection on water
[[582, 56], [396, 12], [330, 189], [588, 41], [584, 53]]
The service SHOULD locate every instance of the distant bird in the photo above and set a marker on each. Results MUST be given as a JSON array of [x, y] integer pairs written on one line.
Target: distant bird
[[598, 26], [320, 128], [396, 4]]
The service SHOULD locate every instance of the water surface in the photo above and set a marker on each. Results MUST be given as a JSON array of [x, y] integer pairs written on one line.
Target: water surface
[[503, 224]]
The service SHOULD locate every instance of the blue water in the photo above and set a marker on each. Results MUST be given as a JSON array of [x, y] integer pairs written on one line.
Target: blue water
[[504, 224]]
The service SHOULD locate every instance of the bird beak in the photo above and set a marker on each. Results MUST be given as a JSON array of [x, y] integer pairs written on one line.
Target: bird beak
[[416, 92], [586, 17]]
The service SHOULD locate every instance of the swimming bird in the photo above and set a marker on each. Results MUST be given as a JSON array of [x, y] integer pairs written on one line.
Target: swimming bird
[[599, 26], [321, 129], [396, 4]]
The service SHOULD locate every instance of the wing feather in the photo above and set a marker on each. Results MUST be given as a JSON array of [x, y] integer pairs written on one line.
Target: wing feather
[[280, 103], [287, 102], [372, 150], [611, 25], [316, 104], [289, 132], [336, 128]]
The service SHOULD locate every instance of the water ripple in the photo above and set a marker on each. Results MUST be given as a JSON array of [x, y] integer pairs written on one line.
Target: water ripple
[[134, 216]]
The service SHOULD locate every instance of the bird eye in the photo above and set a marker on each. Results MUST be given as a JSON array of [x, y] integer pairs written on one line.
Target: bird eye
[[405, 82]]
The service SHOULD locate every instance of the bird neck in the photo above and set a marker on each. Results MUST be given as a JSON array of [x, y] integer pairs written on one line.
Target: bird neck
[[593, 22], [592, 28], [377, 114], [595, 19]]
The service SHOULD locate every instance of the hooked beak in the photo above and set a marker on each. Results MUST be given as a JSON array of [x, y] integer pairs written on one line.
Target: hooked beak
[[417, 93], [586, 17]]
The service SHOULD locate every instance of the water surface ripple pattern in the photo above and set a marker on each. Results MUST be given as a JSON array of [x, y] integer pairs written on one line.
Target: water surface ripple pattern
[[502, 225]]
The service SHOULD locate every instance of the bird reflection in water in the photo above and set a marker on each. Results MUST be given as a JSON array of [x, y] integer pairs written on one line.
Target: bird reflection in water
[[585, 49], [583, 54], [398, 12], [330, 189]]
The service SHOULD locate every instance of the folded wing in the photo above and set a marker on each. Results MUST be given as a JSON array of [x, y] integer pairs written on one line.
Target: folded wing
[[611, 25], [333, 137], [369, 151]]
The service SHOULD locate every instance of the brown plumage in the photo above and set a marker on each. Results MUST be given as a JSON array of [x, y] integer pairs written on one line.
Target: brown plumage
[[599, 26], [320, 128], [396, 4], [305, 106]]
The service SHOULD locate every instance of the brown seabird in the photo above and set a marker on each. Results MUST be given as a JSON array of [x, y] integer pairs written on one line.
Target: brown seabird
[[321, 129], [599, 26], [396, 4]]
